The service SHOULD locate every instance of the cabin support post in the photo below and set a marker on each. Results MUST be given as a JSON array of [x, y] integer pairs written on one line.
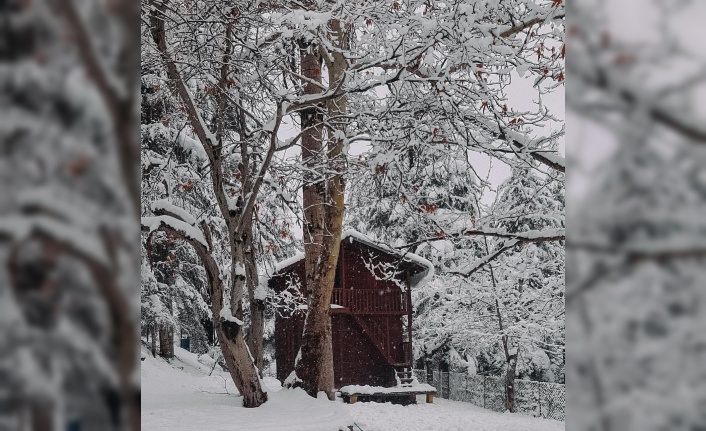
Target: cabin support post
[[408, 353], [387, 337], [342, 267], [430, 398]]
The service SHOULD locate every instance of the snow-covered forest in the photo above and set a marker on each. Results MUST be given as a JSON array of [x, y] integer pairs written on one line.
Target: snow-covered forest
[[350, 215], [268, 128]]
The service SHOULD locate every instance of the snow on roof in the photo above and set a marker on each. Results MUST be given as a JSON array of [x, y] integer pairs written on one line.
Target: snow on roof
[[418, 279], [288, 262]]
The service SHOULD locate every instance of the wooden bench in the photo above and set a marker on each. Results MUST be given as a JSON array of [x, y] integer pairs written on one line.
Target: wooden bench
[[352, 397]]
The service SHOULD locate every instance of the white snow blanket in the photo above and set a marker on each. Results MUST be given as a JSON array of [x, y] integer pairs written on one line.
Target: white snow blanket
[[443, 415], [181, 396]]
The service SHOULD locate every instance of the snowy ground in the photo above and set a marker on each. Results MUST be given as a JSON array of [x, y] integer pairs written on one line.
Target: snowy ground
[[443, 415], [181, 396]]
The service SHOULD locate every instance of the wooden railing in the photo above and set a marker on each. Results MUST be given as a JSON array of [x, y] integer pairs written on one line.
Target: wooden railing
[[370, 301]]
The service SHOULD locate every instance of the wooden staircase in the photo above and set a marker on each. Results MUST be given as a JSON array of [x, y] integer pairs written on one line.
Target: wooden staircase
[[404, 375], [377, 336], [365, 307], [398, 359]]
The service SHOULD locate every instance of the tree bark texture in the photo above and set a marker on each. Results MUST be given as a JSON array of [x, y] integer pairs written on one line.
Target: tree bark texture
[[166, 342], [256, 330], [510, 373], [323, 214], [315, 367], [42, 416], [230, 335], [153, 334]]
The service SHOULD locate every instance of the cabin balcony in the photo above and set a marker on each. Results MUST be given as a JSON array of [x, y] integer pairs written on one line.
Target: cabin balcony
[[370, 301]]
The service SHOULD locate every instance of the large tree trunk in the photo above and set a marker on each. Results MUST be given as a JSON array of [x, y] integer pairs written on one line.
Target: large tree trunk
[[323, 215], [153, 333], [42, 416], [315, 366], [256, 331], [235, 352], [510, 373], [166, 342], [230, 334], [239, 363]]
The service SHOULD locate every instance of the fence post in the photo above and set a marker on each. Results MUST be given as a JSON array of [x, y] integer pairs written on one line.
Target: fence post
[[448, 385], [484, 377], [441, 382]]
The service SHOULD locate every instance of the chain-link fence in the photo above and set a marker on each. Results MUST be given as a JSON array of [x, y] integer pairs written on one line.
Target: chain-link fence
[[539, 399]]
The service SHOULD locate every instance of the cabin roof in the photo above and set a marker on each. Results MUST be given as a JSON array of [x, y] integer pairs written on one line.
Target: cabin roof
[[422, 269]]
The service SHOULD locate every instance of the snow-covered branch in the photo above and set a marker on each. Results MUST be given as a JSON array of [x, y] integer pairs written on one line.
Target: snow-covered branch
[[152, 224], [529, 236], [163, 206], [517, 239]]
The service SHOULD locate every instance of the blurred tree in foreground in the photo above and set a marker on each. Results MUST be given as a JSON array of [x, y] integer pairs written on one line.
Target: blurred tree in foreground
[[69, 259], [637, 199]]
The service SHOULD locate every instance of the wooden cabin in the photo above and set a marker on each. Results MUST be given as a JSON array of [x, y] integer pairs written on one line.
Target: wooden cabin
[[371, 312]]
